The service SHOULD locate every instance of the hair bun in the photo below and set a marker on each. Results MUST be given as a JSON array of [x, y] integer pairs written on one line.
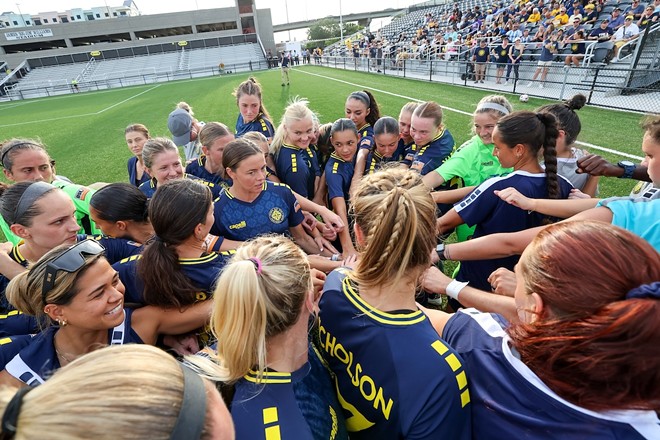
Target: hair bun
[[576, 102]]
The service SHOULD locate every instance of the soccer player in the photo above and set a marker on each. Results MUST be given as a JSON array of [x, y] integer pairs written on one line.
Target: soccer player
[[150, 395], [178, 266], [136, 135], [361, 108], [120, 210], [433, 142], [556, 370], [372, 333], [27, 160], [295, 162], [213, 137], [161, 157], [254, 206], [339, 175], [405, 116], [41, 216], [387, 148], [278, 382], [253, 115], [75, 287], [518, 138]]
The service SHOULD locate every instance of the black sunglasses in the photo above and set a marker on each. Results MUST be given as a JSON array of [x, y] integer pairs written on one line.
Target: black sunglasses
[[70, 261]]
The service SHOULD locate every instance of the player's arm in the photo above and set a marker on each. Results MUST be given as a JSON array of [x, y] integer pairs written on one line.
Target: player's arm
[[360, 164], [329, 217], [433, 179], [8, 267], [306, 242], [451, 195], [562, 208], [339, 205], [448, 221], [150, 321]]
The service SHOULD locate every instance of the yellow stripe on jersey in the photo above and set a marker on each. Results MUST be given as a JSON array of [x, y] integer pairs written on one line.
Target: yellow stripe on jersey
[[455, 365], [294, 163], [4, 341]]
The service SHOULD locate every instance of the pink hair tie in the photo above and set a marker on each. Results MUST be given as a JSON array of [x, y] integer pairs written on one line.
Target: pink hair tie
[[257, 264]]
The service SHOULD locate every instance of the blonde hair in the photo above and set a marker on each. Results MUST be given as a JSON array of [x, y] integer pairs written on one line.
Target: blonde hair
[[255, 136], [185, 106], [296, 110], [107, 394], [263, 289], [409, 107], [396, 214], [25, 290], [156, 146]]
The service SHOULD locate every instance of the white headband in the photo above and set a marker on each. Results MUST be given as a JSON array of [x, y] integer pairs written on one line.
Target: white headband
[[493, 106]]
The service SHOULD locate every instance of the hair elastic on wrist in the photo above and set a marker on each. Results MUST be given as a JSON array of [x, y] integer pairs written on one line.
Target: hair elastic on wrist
[[257, 264]]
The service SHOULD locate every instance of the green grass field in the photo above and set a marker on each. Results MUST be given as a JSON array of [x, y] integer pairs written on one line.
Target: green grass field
[[84, 132]]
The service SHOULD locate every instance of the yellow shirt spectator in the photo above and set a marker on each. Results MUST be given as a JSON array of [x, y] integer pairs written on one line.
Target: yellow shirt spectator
[[534, 17], [562, 17]]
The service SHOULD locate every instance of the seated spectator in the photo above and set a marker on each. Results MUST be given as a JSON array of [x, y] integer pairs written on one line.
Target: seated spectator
[[636, 10], [628, 32], [577, 49], [526, 37], [601, 33], [616, 21], [591, 14], [575, 9], [647, 18], [562, 17], [575, 26]]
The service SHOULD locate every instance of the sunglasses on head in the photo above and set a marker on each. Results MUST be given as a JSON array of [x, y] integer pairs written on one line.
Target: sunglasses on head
[[70, 261]]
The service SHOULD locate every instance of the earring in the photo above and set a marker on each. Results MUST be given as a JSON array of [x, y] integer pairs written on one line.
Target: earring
[[62, 322]]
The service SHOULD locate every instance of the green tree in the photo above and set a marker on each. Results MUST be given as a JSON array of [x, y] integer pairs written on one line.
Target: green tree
[[324, 29], [351, 28]]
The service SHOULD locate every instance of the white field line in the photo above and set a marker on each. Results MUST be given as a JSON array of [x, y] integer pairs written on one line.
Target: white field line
[[84, 114], [410, 98]]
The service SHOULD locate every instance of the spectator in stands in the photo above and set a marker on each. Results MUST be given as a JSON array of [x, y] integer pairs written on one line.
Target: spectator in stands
[[648, 17], [185, 128], [602, 33], [577, 45], [617, 19], [535, 16], [656, 4], [480, 57], [539, 36], [592, 14], [515, 32], [636, 10], [575, 9], [576, 25], [526, 37], [136, 135], [562, 17], [628, 32], [548, 51]]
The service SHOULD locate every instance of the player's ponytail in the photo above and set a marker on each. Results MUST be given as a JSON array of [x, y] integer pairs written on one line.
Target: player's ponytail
[[175, 210], [594, 346], [396, 215], [263, 289], [550, 154]]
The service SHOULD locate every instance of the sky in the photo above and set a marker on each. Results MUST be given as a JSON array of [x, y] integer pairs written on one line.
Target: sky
[[298, 10]]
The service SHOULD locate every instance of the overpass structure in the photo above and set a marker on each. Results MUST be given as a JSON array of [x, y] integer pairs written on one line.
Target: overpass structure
[[363, 19]]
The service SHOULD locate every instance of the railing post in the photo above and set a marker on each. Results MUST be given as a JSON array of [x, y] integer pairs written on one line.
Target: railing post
[[593, 84]]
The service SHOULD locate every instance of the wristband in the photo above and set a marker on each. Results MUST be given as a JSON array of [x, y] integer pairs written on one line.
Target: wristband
[[454, 288]]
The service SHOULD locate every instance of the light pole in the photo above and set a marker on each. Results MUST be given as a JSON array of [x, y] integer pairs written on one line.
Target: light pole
[[286, 9], [18, 5], [341, 26]]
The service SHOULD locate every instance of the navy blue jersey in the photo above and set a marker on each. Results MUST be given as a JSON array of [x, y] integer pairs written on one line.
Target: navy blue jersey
[[197, 168], [430, 156], [509, 401], [366, 136], [314, 160], [395, 377], [149, 187], [132, 173], [274, 211], [295, 168], [202, 272], [301, 405], [408, 152], [115, 248], [13, 322], [375, 160], [321, 158], [259, 124], [338, 175], [10, 346], [492, 215], [38, 360]]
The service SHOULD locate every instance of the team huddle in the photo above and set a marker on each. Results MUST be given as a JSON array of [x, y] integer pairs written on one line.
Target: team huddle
[[291, 280]]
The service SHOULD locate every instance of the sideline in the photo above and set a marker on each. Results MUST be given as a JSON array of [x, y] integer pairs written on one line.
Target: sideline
[[410, 98]]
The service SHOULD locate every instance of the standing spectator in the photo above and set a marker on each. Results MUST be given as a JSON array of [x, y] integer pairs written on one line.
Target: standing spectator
[[502, 58], [548, 51], [480, 56], [286, 59], [515, 56]]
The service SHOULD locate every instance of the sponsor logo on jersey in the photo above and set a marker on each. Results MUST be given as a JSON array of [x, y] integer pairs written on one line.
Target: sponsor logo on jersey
[[276, 215]]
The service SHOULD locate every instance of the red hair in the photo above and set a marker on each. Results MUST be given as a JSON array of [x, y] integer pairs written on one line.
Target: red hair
[[591, 345]]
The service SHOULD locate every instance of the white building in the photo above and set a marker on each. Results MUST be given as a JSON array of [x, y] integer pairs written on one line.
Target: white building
[[19, 20]]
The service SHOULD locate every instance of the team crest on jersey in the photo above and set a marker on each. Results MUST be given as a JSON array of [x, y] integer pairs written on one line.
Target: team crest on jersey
[[276, 215]]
